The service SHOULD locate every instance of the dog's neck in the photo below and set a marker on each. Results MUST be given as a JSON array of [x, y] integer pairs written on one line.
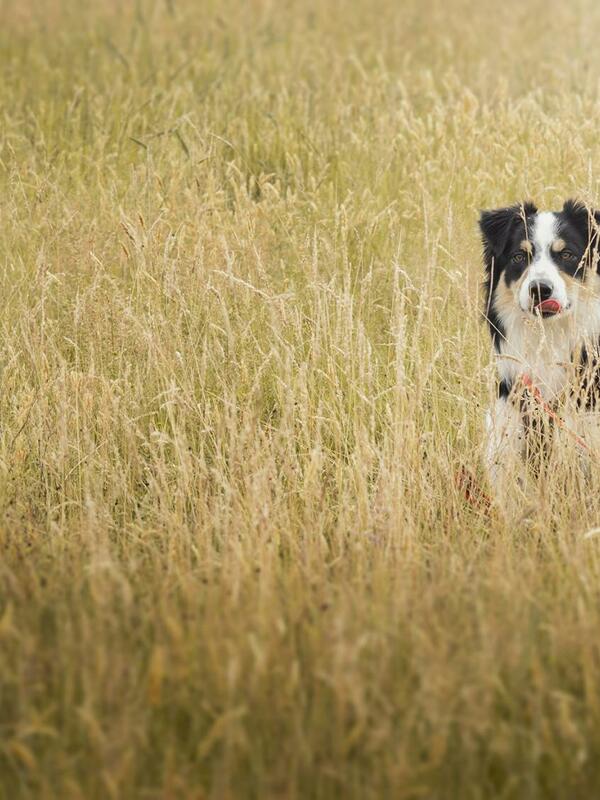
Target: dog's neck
[[544, 349]]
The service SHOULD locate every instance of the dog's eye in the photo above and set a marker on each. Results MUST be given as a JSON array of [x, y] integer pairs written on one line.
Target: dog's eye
[[567, 255], [518, 258]]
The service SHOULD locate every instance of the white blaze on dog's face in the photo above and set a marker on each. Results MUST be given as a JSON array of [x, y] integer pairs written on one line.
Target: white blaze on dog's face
[[538, 264], [542, 280]]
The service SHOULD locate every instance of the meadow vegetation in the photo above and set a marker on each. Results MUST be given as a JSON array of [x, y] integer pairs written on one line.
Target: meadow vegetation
[[241, 361]]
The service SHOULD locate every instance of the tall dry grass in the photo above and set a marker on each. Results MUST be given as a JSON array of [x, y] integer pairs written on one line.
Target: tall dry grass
[[241, 360]]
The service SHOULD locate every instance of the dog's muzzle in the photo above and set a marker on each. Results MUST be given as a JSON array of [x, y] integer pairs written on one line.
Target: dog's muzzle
[[541, 299]]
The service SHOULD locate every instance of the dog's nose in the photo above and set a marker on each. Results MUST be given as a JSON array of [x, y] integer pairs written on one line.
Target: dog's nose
[[540, 291]]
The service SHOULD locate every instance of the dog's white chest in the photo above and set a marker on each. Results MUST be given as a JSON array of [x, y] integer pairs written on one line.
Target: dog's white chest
[[543, 355], [544, 350]]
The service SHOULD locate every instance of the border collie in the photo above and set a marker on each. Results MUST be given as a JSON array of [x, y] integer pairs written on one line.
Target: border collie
[[542, 305]]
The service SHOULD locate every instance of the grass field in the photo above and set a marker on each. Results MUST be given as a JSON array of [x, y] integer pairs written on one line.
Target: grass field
[[241, 360]]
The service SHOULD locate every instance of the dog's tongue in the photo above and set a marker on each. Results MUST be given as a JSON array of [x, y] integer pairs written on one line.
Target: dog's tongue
[[549, 307]]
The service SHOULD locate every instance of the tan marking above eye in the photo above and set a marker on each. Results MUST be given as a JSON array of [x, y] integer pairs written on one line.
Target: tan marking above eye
[[558, 245], [526, 246]]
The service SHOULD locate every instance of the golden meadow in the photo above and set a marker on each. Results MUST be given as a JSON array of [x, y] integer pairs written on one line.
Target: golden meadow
[[241, 362]]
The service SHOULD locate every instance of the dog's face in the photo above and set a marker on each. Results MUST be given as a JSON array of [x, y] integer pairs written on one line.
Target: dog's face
[[538, 263]]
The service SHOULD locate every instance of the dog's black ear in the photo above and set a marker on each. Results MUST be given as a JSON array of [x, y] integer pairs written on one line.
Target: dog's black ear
[[585, 219], [496, 226]]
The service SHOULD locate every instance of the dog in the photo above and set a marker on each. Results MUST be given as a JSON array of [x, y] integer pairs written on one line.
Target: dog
[[542, 306]]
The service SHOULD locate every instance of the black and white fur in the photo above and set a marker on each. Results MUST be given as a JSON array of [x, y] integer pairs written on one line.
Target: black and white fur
[[531, 256]]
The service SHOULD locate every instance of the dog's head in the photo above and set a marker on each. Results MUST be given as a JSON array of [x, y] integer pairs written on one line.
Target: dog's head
[[538, 263]]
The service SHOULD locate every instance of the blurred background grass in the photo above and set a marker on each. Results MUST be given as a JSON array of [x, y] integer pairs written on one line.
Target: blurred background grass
[[241, 359]]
